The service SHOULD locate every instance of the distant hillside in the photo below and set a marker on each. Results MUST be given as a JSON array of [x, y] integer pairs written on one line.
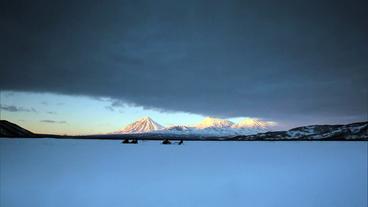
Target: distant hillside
[[354, 131], [8, 129]]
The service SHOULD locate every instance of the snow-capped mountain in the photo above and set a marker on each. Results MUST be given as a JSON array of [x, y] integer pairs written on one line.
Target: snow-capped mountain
[[207, 127], [143, 125], [210, 122], [252, 126], [179, 128]]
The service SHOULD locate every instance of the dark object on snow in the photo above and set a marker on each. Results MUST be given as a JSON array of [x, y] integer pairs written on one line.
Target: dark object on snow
[[181, 142], [133, 141], [166, 141], [126, 141]]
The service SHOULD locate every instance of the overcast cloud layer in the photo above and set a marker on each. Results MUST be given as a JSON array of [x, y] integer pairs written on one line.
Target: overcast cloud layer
[[273, 59]]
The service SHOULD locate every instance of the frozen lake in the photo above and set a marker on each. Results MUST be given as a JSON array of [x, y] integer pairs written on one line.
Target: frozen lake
[[74, 173]]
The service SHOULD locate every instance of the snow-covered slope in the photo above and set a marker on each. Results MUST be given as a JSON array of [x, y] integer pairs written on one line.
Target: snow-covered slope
[[252, 126], [210, 122], [252, 123], [351, 131], [143, 125], [354, 131], [178, 130]]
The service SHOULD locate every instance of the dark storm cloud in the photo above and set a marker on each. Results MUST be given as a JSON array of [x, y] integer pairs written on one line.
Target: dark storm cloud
[[282, 60], [12, 108], [110, 108]]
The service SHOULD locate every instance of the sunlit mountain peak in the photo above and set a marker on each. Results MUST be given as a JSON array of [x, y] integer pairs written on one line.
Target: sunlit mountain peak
[[214, 122], [252, 123], [146, 124], [146, 118]]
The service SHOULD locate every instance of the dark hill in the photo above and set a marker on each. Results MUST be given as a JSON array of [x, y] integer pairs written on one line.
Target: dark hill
[[8, 129]]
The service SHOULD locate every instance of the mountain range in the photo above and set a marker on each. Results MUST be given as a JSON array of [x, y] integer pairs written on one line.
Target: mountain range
[[249, 130], [207, 127], [349, 132]]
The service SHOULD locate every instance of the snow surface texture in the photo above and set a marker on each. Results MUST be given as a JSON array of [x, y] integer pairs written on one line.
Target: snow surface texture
[[208, 127], [93, 173]]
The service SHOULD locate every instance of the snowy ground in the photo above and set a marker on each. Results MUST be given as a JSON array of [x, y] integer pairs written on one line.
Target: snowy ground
[[74, 173]]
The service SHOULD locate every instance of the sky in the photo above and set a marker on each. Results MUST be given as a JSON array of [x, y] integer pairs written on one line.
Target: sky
[[97, 66]]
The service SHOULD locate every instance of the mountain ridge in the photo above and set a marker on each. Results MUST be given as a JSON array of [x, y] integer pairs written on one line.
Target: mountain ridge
[[353, 131], [209, 126]]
